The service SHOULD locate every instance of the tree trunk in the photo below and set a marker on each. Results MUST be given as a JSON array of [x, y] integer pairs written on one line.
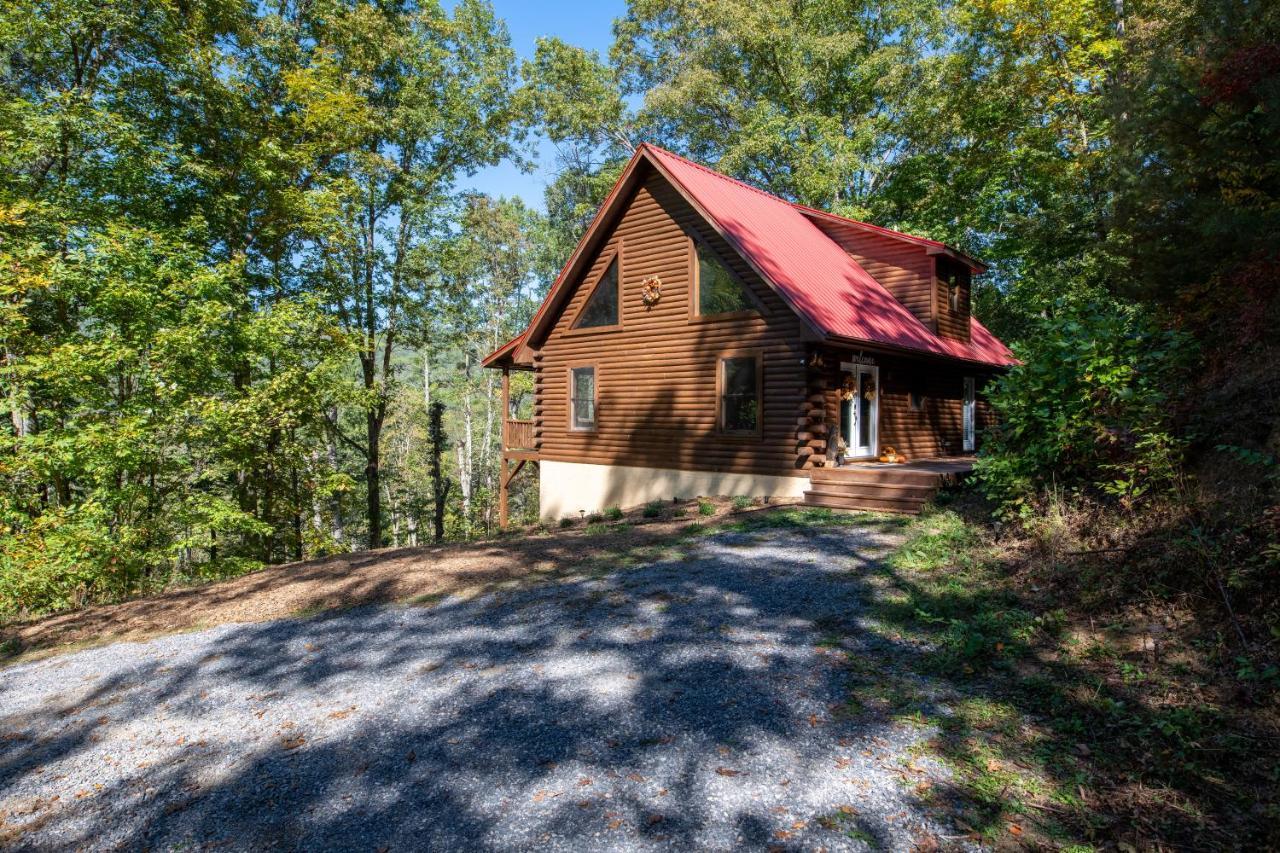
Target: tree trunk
[[373, 432], [439, 486], [338, 530]]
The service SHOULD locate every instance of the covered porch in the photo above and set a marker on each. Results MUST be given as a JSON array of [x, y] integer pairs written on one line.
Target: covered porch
[[519, 435], [862, 406]]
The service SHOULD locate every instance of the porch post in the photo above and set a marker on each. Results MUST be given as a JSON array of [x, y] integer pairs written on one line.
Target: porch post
[[502, 474]]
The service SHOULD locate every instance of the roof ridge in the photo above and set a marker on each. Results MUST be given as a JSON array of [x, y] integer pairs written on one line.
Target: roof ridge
[[721, 175]]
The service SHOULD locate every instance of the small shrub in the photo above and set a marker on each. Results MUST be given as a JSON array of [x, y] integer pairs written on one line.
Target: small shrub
[[566, 522], [613, 513], [595, 528], [595, 518], [653, 509], [741, 502], [706, 507]]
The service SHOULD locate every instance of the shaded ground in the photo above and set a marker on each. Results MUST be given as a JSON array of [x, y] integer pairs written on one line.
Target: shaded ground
[[348, 580], [1080, 720], [701, 698]]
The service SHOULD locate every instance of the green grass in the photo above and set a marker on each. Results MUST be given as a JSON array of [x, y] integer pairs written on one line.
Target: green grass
[[613, 513], [741, 502], [1047, 730], [653, 509]]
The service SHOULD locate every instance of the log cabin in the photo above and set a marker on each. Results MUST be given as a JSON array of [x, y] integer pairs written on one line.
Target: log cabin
[[709, 338]]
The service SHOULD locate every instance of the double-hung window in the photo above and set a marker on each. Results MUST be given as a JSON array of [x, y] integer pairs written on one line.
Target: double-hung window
[[582, 398]]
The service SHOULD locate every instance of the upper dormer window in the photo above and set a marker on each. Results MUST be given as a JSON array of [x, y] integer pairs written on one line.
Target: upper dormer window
[[602, 305], [719, 291], [954, 295]]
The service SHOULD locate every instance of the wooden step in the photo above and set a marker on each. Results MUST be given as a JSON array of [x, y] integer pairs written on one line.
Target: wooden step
[[901, 476], [906, 507], [860, 489]]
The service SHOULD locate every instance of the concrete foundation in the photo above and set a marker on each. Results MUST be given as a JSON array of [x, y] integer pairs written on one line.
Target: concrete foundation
[[570, 488]]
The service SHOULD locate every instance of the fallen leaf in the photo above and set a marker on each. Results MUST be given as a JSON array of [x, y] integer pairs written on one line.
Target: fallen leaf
[[293, 742], [585, 781], [654, 819], [727, 771], [1015, 829], [635, 777]]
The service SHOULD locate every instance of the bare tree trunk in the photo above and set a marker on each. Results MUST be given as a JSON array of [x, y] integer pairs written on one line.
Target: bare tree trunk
[[439, 485], [426, 381], [372, 479], [465, 448], [339, 528], [395, 516]]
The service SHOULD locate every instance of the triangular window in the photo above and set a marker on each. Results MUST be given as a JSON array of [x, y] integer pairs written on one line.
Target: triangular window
[[719, 291], [602, 305]]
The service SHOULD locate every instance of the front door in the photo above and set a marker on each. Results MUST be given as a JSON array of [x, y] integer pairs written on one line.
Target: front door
[[860, 415], [969, 413]]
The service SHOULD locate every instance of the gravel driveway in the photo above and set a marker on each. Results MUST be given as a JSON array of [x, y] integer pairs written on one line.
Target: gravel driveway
[[693, 702]]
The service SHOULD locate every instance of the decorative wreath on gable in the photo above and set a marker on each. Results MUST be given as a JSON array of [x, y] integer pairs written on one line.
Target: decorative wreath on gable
[[651, 290]]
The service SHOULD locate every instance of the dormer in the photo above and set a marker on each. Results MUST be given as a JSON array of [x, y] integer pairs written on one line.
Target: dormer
[[952, 292]]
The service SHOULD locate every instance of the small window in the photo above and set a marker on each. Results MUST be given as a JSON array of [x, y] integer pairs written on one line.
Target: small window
[[602, 305], [719, 291], [740, 394], [917, 401], [582, 382], [953, 292]]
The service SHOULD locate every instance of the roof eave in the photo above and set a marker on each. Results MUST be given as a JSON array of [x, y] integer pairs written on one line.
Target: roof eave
[[841, 340]]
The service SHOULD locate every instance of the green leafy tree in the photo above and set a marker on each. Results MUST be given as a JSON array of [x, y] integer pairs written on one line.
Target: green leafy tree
[[405, 98]]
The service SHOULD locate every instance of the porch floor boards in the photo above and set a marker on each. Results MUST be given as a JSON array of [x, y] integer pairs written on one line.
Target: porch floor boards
[[904, 488]]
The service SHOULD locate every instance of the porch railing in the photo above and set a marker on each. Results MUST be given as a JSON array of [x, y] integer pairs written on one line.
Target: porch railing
[[518, 435]]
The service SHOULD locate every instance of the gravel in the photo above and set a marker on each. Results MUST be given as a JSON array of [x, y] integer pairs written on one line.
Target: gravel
[[692, 702]]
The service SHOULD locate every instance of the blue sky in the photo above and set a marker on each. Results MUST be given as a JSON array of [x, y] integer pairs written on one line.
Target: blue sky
[[586, 24]]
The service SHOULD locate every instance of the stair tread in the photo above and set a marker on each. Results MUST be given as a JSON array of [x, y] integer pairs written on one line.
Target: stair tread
[[907, 507]]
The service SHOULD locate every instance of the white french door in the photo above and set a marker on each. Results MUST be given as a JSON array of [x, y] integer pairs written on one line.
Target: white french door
[[860, 416], [970, 414]]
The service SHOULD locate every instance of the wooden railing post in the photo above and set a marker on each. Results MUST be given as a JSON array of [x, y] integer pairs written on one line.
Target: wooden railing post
[[502, 475]]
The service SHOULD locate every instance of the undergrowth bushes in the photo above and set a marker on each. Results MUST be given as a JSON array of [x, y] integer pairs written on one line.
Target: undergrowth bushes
[[1088, 408], [1087, 472]]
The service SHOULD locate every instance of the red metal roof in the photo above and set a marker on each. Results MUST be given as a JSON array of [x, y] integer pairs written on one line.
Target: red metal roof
[[831, 291], [821, 281]]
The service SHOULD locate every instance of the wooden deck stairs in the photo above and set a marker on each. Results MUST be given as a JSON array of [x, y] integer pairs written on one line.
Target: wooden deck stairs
[[884, 488]]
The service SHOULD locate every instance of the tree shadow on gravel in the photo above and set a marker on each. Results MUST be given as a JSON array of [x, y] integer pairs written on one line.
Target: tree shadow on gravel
[[696, 701]]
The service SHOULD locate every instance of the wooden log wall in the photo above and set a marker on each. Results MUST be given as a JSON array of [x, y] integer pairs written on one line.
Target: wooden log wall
[[656, 373], [953, 324], [903, 268]]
